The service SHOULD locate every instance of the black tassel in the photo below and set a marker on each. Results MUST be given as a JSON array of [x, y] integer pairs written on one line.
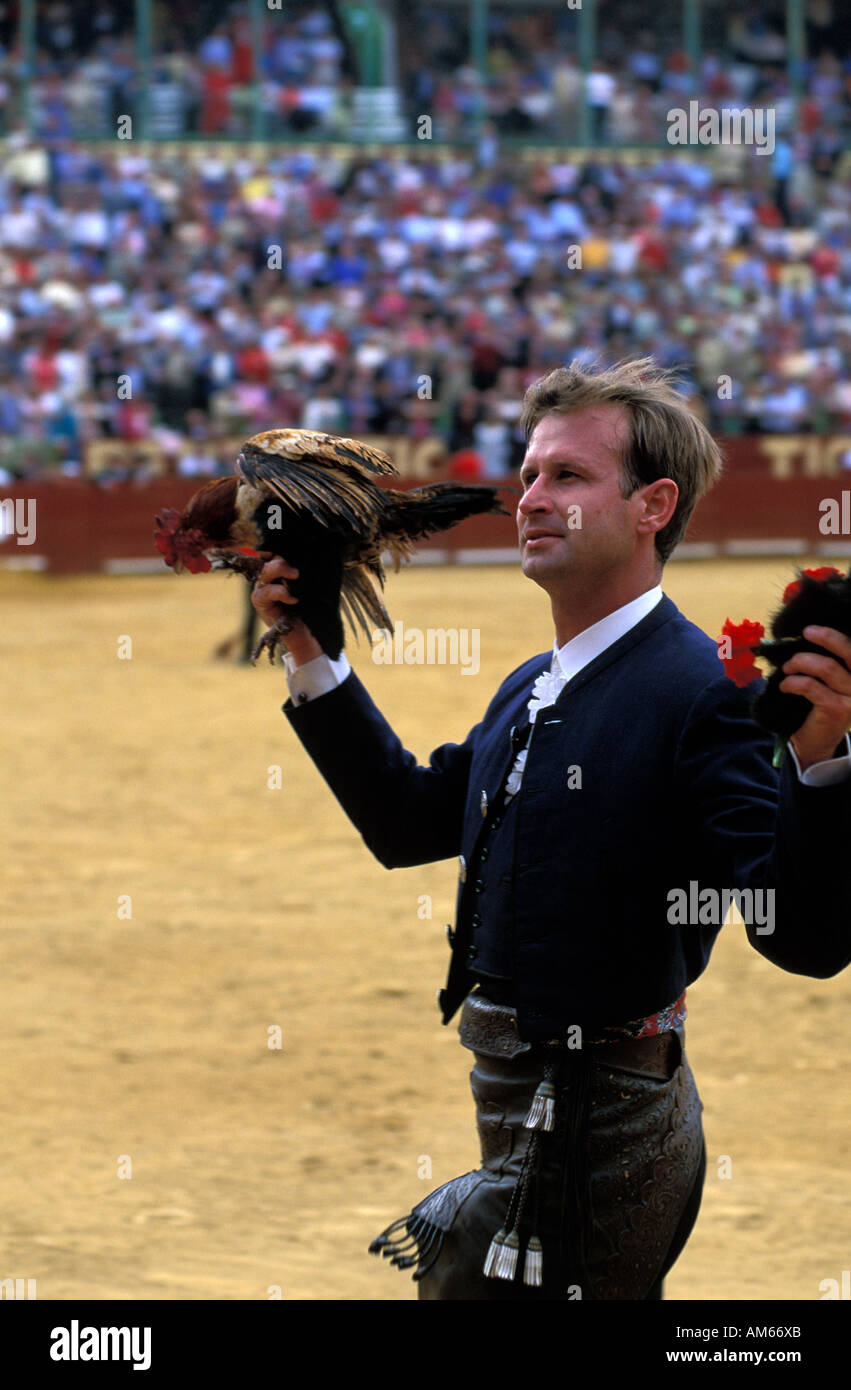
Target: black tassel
[[377, 1246], [435, 1238], [409, 1249]]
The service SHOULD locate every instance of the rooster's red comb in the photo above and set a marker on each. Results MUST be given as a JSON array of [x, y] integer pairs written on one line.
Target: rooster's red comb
[[178, 546]]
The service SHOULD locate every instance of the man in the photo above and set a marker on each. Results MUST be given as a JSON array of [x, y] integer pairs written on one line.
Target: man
[[602, 778]]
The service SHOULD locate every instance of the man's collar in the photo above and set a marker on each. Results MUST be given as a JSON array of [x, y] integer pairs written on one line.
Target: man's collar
[[586, 646]]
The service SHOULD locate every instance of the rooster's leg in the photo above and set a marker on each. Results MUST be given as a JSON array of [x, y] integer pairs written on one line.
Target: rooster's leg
[[271, 638], [249, 565]]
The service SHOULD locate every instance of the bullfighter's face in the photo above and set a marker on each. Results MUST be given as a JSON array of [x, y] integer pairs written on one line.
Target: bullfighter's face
[[574, 525]]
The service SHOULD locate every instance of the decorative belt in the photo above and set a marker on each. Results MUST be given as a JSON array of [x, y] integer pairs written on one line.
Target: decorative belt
[[487, 1011], [662, 1021], [644, 1046]]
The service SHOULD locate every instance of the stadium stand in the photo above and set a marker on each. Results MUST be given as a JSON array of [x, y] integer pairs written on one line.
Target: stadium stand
[[188, 293]]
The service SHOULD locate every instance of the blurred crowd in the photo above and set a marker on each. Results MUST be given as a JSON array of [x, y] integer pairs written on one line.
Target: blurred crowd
[[149, 295], [312, 56], [87, 71], [535, 84], [192, 298]]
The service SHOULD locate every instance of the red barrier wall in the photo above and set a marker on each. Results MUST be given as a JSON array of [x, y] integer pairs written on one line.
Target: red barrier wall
[[82, 527], [771, 491]]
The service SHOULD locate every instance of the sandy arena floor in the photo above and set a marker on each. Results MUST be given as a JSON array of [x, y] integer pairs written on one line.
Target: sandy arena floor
[[146, 1038]]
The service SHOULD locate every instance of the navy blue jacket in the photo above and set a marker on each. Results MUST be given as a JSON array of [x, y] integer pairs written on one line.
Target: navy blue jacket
[[677, 786]]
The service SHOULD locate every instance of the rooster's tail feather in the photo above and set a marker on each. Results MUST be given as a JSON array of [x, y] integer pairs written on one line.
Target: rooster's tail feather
[[361, 605], [409, 516]]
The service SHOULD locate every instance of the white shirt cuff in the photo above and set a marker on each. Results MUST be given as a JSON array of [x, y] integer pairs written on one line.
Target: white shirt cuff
[[827, 773], [315, 677]]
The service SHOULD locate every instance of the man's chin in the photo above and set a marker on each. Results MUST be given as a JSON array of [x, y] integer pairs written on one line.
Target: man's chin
[[541, 568], [542, 574]]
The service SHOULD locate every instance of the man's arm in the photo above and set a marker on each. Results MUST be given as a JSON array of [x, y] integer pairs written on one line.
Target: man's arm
[[754, 828], [407, 814]]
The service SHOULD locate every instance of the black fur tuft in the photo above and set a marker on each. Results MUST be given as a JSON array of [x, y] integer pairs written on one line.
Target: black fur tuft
[[825, 602]]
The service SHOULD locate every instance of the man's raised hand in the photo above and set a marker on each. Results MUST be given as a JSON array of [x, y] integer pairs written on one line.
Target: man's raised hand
[[271, 597]]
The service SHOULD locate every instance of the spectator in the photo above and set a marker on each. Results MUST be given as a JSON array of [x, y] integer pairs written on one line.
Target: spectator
[[492, 441]]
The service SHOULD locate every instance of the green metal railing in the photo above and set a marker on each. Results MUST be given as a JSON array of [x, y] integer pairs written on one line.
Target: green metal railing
[[362, 24]]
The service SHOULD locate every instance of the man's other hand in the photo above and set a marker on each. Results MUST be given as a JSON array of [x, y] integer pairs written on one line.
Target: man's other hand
[[826, 682]]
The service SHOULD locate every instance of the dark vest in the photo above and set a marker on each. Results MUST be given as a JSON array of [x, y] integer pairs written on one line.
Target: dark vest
[[490, 880], [491, 951]]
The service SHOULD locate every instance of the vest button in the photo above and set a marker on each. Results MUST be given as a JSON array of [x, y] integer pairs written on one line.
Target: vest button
[[475, 921], [479, 885], [471, 955], [484, 854]]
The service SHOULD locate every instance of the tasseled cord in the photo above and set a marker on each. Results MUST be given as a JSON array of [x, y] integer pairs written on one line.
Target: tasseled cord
[[504, 1250], [542, 1112], [533, 1269]]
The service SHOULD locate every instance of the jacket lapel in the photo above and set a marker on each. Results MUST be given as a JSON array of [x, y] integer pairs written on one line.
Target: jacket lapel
[[500, 756], [662, 613]]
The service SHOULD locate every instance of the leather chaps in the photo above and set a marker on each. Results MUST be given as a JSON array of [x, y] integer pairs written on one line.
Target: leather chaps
[[615, 1187]]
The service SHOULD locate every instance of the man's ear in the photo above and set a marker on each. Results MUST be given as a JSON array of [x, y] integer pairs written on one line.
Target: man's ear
[[660, 503]]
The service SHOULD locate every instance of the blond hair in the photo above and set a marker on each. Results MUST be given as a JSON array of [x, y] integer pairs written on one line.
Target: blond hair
[[666, 440]]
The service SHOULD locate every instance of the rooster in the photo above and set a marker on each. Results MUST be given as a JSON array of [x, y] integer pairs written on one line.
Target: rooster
[[312, 499]]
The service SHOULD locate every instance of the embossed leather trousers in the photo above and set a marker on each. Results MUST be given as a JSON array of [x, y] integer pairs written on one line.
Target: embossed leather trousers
[[613, 1191]]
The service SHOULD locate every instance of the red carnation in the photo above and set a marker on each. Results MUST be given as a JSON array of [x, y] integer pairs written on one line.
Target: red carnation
[[823, 572], [738, 641]]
